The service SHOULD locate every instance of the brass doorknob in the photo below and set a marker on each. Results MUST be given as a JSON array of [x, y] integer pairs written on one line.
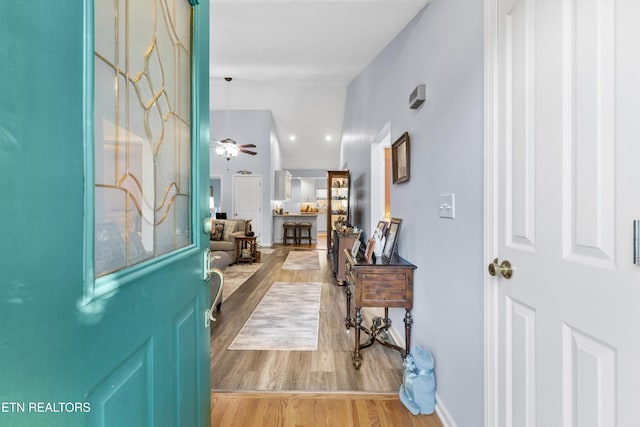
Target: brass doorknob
[[505, 269]]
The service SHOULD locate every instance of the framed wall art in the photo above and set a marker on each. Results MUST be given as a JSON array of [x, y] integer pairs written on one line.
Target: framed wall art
[[400, 159]]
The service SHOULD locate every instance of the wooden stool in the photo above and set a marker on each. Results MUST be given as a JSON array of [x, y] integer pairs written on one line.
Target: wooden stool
[[289, 232], [304, 232]]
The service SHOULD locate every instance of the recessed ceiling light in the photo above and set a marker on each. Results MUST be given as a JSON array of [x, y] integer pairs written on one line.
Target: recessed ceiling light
[[328, 138], [292, 138]]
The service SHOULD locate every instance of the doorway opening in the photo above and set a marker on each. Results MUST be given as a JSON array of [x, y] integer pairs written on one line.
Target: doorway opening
[[381, 177], [215, 195]]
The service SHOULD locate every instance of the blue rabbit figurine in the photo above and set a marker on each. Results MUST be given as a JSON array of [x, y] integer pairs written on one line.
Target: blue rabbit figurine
[[418, 390]]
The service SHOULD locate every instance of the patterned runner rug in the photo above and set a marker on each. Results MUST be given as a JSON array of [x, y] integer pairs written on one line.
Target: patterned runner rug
[[287, 318], [235, 275], [302, 260]]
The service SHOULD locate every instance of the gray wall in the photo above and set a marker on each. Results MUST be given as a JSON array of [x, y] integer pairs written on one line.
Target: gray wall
[[294, 103], [247, 127], [443, 48]]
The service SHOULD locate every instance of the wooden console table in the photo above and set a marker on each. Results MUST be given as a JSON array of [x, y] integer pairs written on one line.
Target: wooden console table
[[342, 240], [378, 285]]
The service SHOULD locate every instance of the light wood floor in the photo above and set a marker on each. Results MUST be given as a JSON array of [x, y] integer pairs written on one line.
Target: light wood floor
[[303, 388], [327, 369], [313, 410]]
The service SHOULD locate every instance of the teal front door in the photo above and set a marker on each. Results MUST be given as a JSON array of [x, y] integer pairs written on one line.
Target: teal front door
[[103, 190]]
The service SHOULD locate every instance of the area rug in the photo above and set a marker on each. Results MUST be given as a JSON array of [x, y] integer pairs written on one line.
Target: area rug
[[287, 318], [266, 251], [302, 260], [235, 275]]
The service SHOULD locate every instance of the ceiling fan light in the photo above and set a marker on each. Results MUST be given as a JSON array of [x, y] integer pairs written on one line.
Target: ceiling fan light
[[233, 150], [220, 151]]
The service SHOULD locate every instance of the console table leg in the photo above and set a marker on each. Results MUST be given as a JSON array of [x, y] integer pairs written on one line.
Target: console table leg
[[356, 357], [408, 321], [347, 320]]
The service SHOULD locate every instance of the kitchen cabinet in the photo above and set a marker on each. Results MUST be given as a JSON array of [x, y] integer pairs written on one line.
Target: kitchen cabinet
[[279, 220], [283, 185], [307, 189]]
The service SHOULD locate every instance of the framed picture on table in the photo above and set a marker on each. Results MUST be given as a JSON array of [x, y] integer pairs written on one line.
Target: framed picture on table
[[380, 233], [390, 246], [355, 248], [368, 252], [382, 228]]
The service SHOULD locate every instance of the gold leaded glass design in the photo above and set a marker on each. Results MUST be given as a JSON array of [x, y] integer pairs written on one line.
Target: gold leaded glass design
[[142, 130]]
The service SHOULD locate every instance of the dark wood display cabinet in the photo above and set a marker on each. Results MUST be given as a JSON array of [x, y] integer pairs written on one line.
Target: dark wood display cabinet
[[337, 204]]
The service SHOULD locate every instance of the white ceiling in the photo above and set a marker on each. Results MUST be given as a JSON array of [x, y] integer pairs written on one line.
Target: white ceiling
[[296, 58]]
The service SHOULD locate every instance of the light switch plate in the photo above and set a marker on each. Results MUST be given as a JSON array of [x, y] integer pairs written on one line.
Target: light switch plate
[[447, 206]]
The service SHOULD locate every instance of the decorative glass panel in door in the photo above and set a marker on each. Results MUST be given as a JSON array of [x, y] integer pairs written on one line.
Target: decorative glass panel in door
[[142, 131]]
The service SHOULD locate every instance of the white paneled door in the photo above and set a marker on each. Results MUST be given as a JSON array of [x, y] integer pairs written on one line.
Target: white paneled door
[[563, 189], [247, 200]]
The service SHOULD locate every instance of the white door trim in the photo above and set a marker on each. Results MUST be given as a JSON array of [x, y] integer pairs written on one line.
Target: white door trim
[[491, 318]]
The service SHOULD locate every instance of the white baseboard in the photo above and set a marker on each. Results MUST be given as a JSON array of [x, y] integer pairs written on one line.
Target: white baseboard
[[443, 413], [397, 337], [441, 409]]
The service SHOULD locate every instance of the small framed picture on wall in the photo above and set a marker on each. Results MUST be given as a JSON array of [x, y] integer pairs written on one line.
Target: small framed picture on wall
[[400, 160]]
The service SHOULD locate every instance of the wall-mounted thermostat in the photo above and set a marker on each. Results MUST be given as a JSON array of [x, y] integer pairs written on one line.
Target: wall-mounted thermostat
[[417, 97]]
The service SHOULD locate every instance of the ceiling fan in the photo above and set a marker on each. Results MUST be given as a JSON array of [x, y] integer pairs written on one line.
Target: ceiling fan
[[228, 147]]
